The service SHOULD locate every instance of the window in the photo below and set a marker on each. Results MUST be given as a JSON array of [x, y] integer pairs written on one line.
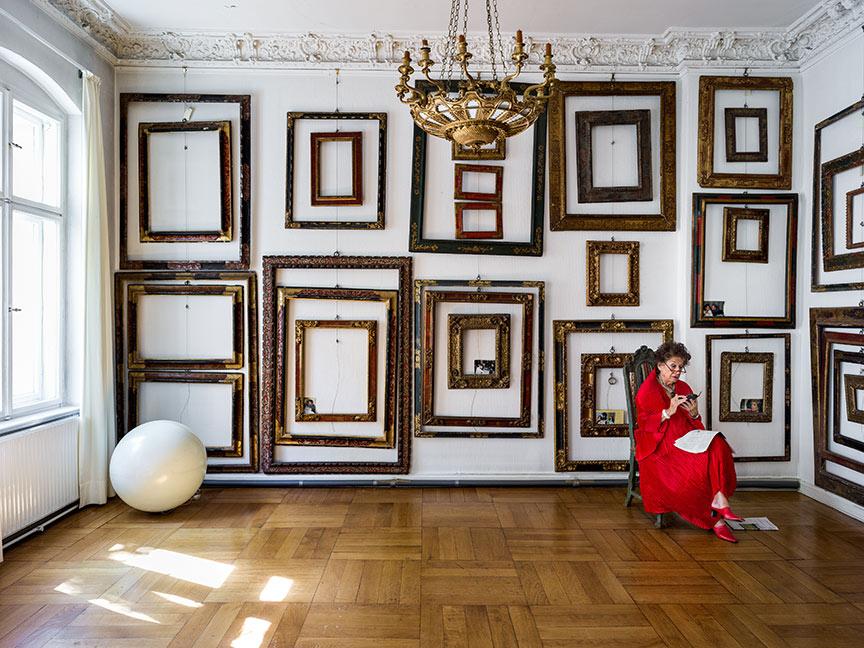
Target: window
[[31, 255]]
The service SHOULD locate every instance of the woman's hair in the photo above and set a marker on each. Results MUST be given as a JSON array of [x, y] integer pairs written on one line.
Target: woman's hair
[[671, 350]]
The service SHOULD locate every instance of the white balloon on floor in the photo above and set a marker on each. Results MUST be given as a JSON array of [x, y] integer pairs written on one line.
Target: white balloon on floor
[[158, 466]]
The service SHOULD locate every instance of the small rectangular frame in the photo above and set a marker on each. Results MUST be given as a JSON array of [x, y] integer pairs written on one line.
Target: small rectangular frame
[[291, 222], [457, 324], [300, 363], [226, 202], [830, 260], [854, 384], [594, 250], [271, 385], [235, 449], [499, 152], [244, 182], [847, 383], [707, 176], [134, 292], [591, 362], [850, 215], [731, 252], [586, 121], [697, 300], [355, 138], [462, 233], [560, 220], [731, 115], [727, 359], [459, 192], [561, 330]]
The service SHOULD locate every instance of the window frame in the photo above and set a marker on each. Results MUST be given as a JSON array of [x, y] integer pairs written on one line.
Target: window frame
[[9, 204]]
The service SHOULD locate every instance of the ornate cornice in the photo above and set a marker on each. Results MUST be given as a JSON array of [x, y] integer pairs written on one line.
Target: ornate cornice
[[669, 52]]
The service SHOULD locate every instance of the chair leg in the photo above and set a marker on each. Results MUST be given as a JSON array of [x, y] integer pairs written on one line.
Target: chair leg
[[660, 521], [631, 480]]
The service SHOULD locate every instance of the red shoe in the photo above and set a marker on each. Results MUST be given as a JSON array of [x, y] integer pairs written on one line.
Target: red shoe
[[722, 531], [727, 514]]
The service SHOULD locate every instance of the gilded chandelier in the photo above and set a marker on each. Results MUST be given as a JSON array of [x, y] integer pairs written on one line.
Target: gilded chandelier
[[473, 112]]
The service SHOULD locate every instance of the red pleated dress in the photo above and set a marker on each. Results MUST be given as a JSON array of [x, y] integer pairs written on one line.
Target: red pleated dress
[[670, 479]]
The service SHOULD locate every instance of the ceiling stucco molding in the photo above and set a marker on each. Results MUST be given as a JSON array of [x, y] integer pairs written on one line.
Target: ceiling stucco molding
[[671, 51]]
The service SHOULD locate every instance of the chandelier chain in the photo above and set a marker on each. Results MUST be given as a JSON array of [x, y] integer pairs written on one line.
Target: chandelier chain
[[491, 39], [449, 49], [500, 42]]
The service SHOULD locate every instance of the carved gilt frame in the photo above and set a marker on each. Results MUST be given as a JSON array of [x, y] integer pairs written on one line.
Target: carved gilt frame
[[730, 116], [830, 260], [316, 140], [850, 216], [457, 324], [731, 252], [498, 152], [495, 170], [594, 250], [727, 359], [852, 385], [591, 362], [847, 383]]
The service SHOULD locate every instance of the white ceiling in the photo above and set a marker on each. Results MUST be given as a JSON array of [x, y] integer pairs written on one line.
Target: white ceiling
[[407, 16]]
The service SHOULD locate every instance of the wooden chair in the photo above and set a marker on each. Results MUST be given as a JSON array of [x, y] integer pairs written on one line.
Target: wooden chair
[[636, 371]]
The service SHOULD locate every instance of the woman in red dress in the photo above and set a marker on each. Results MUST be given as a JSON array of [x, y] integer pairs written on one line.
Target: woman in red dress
[[695, 486]]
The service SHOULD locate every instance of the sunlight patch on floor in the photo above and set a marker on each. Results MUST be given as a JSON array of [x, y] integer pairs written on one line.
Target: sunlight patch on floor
[[276, 589], [179, 600], [122, 608], [192, 569], [252, 633]]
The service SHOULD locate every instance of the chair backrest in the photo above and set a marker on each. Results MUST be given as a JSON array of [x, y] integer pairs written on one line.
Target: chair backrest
[[639, 367]]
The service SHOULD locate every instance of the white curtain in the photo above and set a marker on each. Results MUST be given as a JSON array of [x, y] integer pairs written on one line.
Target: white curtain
[[96, 438]]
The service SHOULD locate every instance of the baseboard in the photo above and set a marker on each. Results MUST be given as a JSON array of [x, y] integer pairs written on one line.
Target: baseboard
[[834, 501]]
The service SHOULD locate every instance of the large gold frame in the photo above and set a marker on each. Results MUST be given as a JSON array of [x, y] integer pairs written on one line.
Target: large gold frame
[[593, 251], [706, 175], [727, 358], [457, 324]]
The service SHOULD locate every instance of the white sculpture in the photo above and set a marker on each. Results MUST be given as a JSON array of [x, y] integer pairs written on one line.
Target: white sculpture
[[158, 466]]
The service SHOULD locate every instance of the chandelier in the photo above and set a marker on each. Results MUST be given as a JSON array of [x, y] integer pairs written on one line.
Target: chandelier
[[473, 112]]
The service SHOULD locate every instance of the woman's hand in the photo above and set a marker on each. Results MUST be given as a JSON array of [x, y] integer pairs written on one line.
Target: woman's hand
[[674, 403], [692, 408]]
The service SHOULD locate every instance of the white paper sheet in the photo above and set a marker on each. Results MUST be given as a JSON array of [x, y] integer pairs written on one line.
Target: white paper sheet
[[696, 441], [753, 524]]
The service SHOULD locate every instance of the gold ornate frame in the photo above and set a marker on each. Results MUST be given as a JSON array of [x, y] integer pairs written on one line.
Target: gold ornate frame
[[832, 260], [853, 384], [461, 153], [457, 324], [355, 138], [495, 170], [707, 176], [591, 362], [300, 364], [731, 216], [594, 250], [559, 218], [727, 358], [730, 115]]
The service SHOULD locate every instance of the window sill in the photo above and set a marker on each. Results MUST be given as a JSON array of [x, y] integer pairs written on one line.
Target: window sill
[[40, 418]]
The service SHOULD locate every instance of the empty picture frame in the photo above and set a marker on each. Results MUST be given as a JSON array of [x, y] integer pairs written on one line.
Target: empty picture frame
[[776, 345], [595, 250], [486, 374], [591, 426], [198, 251], [529, 297], [746, 154], [854, 385], [731, 250], [762, 404], [234, 448], [298, 216], [586, 123], [851, 213], [286, 408], [301, 360], [845, 387], [707, 173], [221, 168], [424, 217], [772, 277], [563, 211], [497, 176], [834, 470], [128, 345], [494, 151], [463, 232], [273, 381], [562, 330], [136, 293], [831, 259]]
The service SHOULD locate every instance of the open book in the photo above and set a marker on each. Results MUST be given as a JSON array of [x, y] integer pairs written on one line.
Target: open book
[[696, 441]]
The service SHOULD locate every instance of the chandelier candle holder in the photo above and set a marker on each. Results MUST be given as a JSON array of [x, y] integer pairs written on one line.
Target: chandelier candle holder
[[477, 112]]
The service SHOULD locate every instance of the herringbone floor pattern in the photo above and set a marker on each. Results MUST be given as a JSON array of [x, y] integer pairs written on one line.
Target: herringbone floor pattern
[[432, 568]]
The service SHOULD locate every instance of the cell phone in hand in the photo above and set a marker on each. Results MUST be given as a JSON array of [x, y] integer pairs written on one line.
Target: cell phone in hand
[[693, 396]]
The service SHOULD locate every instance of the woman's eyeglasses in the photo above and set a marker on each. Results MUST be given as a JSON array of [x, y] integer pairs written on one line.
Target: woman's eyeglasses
[[673, 368]]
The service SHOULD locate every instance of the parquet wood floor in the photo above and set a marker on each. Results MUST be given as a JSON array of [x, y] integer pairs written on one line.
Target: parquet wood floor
[[433, 568]]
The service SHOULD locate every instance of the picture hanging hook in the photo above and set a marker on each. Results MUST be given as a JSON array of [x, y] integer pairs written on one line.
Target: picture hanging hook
[[746, 72], [612, 316], [611, 349], [612, 379], [612, 80], [746, 349]]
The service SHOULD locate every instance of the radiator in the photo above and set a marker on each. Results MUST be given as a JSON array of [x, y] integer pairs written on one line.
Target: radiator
[[38, 473]]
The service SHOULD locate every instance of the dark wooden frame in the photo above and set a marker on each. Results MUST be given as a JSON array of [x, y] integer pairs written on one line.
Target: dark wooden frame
[[457, 324], [586, 121], [459, 192], [705, 173], [731, 216], [463, 153], [417, 242], [787, 388], [235, 450], [850, 217], [300, 363], [822, 319], [700, 205], [830, 260], [226, 200], [291, 222], [846, 383], [422, 351], [403, 265], [593, 251], [560, 330], [591, 362], [356, 195], [559, 218], [242, 230], [854, 384], [282, 435], [730, 116], [462, 233], [235, 292], [727, 414], [250, 285]]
